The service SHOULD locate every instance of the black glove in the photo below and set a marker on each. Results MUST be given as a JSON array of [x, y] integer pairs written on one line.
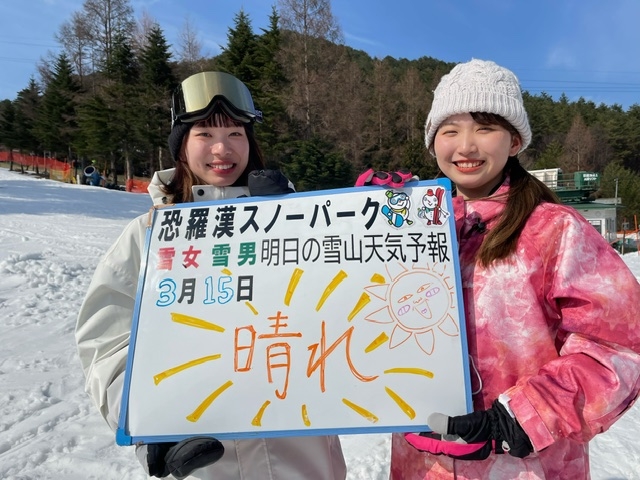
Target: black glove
[[182, 458], [268, 182], [473, 436]]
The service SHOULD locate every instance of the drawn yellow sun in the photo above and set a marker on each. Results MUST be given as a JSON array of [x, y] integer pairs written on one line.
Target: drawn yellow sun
[[418, 301]]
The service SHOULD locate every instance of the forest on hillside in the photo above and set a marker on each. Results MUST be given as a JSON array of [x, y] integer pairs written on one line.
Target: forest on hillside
[[330, 110]]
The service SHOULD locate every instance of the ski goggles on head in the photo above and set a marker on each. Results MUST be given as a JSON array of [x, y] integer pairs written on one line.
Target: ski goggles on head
[[196, 96]]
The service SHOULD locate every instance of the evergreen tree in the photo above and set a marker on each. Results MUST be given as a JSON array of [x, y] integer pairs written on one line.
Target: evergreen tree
[[315, 166], [8, 137], [618, 179], [122, 97], [158, 81], [56, 125], [238, 57], [633, 121], [540, 112], [618, 133], [7, 122], [550, 157], [418, 161], [273, 134], [27, 109], [564, 113], [155, 58], [94, 119], [271, 76]]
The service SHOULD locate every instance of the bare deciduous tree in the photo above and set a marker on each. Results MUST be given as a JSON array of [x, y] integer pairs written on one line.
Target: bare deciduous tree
[[412, 92], [106, 19], [143, 28], [578, 146], [75, 38], [189, 50], [45, 66], [382, 83], [311, 27], [346, 111]]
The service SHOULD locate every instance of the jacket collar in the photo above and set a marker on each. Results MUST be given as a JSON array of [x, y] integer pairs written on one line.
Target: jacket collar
[[479, 215], [200, 192]]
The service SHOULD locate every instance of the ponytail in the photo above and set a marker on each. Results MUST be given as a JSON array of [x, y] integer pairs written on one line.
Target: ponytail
[[526, 192]]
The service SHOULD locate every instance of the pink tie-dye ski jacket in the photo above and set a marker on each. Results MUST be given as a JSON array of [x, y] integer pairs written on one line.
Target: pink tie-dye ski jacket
[[556, 328]]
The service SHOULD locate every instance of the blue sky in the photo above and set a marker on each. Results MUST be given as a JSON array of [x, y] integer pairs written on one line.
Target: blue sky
[[584, 48]]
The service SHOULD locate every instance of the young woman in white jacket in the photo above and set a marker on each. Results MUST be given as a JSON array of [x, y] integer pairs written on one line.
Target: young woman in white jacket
[[214, 147]]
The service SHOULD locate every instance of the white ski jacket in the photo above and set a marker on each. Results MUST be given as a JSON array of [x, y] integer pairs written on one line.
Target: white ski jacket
[[102, 335]]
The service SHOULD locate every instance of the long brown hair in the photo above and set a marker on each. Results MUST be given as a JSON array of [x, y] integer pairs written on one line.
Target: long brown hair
[[183, 179], [526, 192]]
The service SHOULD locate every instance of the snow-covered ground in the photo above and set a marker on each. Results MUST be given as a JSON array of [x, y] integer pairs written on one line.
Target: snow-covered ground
[[51, 237]]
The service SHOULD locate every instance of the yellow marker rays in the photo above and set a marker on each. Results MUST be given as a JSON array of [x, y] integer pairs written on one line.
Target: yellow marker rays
[[362, 302], [377, 278], [411, 370], [293, 283], [195, 322], [305, 416], [172, 371], [380, 340], [404, 406], [361, 411], [340, 276], [252, 308], [257, 420], [197, 413]]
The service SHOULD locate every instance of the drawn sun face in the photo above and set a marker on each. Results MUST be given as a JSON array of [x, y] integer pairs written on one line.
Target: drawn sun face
[[417, 302]]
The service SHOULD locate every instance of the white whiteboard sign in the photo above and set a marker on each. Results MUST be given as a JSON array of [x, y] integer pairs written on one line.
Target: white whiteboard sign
[[326, 312]]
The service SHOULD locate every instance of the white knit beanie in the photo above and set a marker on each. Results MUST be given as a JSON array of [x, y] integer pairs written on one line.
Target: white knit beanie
[[478, 86]]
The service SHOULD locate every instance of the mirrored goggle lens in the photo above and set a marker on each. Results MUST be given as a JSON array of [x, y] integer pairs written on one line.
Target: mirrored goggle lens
[[193, 97]]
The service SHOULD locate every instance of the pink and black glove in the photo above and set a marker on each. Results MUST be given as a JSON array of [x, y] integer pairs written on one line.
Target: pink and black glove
[[473, 436], [395, 179]]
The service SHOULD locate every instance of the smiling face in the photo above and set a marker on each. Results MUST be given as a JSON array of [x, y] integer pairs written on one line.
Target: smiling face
[[217, 155], [418, 300], [429, 200], [399, 201], [473, 155]]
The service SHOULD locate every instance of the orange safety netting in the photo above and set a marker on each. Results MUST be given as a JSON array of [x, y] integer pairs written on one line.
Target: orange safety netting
[[61, 171], [136, 186], [34, 161]]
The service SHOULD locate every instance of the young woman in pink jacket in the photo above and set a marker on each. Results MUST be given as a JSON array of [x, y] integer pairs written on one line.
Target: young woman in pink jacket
[[551, 309]]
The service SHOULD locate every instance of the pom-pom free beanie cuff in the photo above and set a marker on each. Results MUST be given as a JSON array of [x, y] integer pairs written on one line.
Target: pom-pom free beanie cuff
[[478, 86], [178, 131]]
